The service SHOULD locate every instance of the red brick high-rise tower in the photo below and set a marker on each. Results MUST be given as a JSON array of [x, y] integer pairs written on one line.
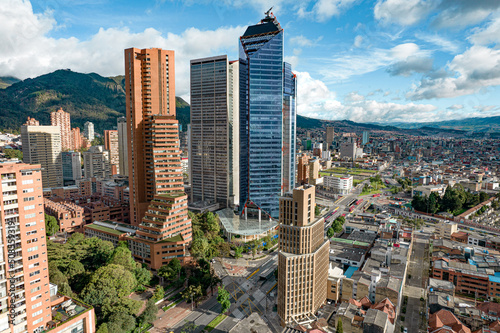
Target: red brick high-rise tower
[[158, 204]]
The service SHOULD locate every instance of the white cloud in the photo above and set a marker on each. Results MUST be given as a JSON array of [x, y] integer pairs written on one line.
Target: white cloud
[[27, 51], [485, 108], [304, 41], [455, 107], [467, 73], [487, 35], [403, 12], [463, 13], [317, 101], [443, 43], [323, 10], [358, 40]]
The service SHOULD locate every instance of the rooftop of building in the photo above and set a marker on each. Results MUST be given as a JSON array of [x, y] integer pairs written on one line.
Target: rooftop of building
[[253, 323]]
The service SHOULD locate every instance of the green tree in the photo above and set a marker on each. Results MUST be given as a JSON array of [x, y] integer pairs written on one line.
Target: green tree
[[103, 328], [224, 299], [124, 305], [339, 327], [109, 284], [199, 247], [159, 293], [330, 233], [483, 197], [192, 293], [121, 322], [142, 275], [317, 210], [13, 153], [122, 256], [237, 251], [149, 313], [51, 225]]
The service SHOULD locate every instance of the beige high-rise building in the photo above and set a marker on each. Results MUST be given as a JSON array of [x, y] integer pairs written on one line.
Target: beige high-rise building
[[96, 163], [330, 135], [42, 145], [63, 120], [302, 258], [111, 144]]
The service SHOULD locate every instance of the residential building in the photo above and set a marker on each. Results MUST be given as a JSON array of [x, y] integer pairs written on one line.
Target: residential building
[[340, 185], [314, 167], [158, 204], [71, 167], [122, 146], [111, 143], [214, 142], [302, 258], [25, 269], [42, 145], [335, 275], [445, 321], [267, 119], [76, 139], [96, 163], [303, 170], [63, 120], [69, 216], [330, 136], [445, 229], [88, 130], [108, 231]]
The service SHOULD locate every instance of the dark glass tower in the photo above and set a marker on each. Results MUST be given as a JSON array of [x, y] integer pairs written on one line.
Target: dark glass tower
[[267, 119]]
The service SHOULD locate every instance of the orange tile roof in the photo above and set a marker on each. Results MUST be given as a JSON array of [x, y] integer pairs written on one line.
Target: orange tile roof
[[446, 318]]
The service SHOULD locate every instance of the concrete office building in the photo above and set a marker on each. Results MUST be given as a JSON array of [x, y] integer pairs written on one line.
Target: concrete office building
[[63, 120], [96, 163], [330, 135], [122, 146], [303, 170], [302, 258], [267, 119], [88, 130], [111, 143], [158, 204], [339, 185], [42, 145], [214, 142], [71, 167], [348, 150], [26, 272], [366, 137]]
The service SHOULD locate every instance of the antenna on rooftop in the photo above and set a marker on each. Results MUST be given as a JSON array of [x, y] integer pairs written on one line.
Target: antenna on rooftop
[[269, 11]]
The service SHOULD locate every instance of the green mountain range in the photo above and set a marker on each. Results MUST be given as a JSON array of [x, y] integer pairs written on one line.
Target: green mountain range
[[101, 100]]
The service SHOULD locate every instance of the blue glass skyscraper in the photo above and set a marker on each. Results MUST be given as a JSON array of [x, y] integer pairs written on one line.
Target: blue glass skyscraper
[[267, 119]]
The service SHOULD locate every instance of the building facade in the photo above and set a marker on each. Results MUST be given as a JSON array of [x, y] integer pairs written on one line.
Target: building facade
[[158, 204], [213, 158], [69, 216], [302, 258], [42, 145], [339, 185], [122, 146], [267, 118], [111, 143], [88, 130], [71, 167], [96, 163], [25, 278], [330, 136], [63, 120]]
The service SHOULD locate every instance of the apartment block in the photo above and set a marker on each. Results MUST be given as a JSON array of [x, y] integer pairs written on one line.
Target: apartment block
[[24, 278], [71, 167], [76, 139], [122, 146], [111, 143], [158, 204], [62, 119], [89, 130], [42, 145], [96, 163], [302, 259], [69, 216], [214, 142]]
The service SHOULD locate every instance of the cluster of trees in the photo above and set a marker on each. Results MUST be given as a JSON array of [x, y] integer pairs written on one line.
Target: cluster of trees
[[103, 276], [336, 227], [13, 153], [455, 200], [207, 240], [405, 183], [51, 225]]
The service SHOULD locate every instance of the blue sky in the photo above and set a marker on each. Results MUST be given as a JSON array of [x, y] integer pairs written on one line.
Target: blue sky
[[367, 61]]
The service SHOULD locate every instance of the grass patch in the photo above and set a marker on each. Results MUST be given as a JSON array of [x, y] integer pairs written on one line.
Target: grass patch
[[171, 305], [213, 324]]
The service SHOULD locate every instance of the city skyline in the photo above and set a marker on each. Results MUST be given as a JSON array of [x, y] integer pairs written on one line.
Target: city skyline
[[354, 60]]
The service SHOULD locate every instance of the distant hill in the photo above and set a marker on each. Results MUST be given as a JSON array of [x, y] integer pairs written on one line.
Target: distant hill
[[87, 97], [6, 81], [486, 124]]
